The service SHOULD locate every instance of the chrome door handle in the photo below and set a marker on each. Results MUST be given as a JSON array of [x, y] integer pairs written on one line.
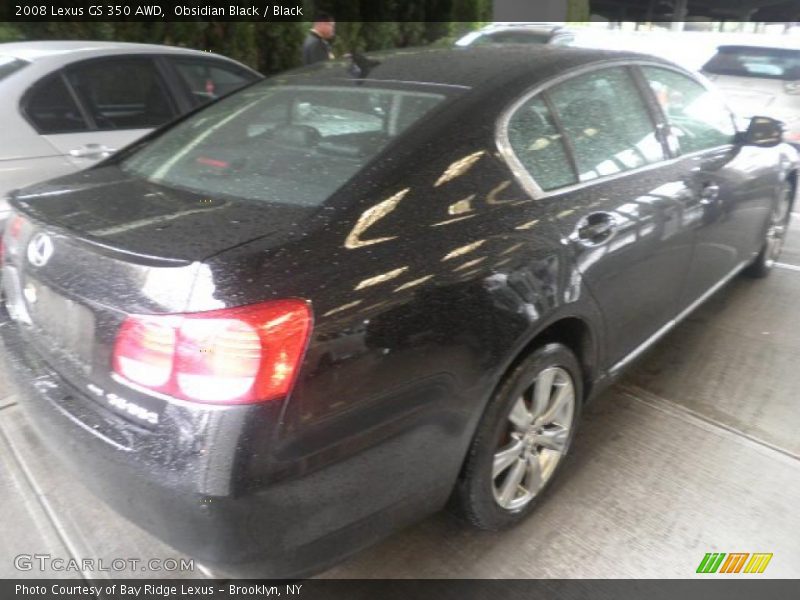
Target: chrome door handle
[[709, 194], [92, 151], [595, 229]]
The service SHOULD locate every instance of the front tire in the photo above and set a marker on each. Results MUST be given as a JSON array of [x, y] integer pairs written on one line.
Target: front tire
[[522, 439], [776, 235]]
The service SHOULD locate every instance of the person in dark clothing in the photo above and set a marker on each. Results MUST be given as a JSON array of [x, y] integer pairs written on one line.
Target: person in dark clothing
[[317, 45]]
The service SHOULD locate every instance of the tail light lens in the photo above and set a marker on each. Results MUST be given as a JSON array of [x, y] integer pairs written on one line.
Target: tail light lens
[[9, 239], [233, 356]]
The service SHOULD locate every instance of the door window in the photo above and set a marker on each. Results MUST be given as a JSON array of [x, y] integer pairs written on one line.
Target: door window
[[208, 80], [539, 146], [607, 122], [52, 109], [122, 93], [697, 116]]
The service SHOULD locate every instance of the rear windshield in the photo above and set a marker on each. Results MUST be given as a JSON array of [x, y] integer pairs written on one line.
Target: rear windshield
[[9, 65], [769, 63], [280, 143]]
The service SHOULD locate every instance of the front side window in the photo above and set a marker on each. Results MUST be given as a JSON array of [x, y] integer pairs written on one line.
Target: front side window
[[697, 116], [52, 109], [208, 80], [539, 146], [279, 143], [607, 122], [122, 93]]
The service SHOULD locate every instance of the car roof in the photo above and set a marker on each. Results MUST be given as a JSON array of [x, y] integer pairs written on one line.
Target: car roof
[[472, 67], [66, 51]]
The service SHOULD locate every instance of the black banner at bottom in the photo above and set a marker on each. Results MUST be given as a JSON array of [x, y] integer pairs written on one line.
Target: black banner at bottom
[[734, 588]]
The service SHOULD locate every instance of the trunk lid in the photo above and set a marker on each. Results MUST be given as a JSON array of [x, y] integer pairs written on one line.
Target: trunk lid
[[97, 246], [131, 216]]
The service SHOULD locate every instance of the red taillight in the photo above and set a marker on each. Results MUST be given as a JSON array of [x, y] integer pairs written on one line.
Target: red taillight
[[11, 237], [15, 227], [231, 356]]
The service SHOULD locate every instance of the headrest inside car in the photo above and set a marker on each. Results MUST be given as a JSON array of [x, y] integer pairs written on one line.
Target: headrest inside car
[[303, 136]]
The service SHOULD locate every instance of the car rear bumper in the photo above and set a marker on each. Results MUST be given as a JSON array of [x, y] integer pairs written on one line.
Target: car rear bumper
[[289, 528]]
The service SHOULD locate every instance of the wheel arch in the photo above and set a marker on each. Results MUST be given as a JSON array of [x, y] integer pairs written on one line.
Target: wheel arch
[[576, 334], [572, 331]]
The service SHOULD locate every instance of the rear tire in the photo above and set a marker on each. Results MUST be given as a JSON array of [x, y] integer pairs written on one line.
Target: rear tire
[[522, 439], [775, 236]]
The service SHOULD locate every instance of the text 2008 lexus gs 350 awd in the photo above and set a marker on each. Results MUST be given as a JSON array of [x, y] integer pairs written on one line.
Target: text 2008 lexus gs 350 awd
[[314, 311]]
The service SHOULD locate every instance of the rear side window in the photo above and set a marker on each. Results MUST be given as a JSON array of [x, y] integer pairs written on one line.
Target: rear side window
[[278, 143], [10, 65], [745, 61], [52, 109], [607, 122], [122, 93], [208, 80], [539, 146], [697, 116]]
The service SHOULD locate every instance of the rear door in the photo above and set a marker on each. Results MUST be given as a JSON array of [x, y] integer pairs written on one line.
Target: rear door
[[113, 102], [735, 185], [593, 150]]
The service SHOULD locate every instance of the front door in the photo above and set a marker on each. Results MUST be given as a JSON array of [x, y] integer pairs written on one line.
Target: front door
[[622, 206], [736, 185]]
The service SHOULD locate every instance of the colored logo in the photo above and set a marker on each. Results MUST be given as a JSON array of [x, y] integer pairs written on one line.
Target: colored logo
[[736, 562]]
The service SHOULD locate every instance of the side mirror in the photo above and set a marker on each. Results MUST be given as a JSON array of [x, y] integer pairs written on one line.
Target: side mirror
[[764, 132]]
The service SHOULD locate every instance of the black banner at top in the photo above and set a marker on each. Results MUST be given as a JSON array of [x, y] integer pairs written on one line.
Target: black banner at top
[[265, 11], [153, 10]]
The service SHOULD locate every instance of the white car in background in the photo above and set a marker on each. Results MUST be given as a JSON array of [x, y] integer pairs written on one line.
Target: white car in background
[[64, 106], [518, 33], [760, 80]]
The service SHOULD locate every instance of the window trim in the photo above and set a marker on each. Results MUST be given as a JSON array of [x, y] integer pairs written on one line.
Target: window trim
[[524, 177]]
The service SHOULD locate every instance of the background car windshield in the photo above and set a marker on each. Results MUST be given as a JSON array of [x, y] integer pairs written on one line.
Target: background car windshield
[[9, 65], [511, 37], [770, 63], [285, 144]]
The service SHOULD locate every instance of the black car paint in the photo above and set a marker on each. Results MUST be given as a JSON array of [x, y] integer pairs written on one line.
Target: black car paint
[[412, 332]]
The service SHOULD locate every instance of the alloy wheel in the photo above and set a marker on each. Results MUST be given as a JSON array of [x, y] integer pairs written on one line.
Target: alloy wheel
[[534, 440]]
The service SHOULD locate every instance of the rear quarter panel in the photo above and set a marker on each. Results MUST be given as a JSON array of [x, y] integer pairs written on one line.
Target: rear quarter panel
[[427, 281]]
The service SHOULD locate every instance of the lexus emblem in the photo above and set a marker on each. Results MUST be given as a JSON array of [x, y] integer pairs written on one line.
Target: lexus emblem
[[40, 249]]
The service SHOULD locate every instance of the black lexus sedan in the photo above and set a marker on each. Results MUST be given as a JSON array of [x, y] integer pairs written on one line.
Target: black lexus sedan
[[320, 308]]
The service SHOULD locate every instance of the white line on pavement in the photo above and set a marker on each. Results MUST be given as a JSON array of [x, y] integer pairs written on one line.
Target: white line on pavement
[[785, 266]]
